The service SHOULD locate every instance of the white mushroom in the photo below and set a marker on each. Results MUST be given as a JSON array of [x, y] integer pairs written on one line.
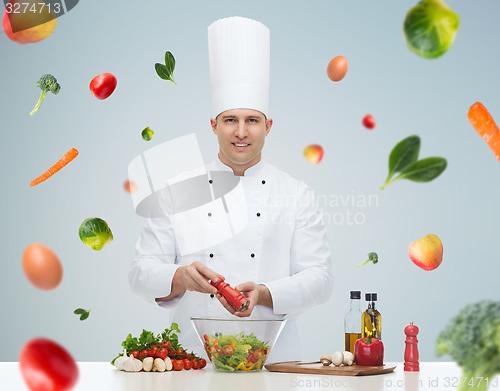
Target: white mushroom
[[348, 358], [337, 358], [160, 364], [325, 360], [168, 364], [147, 364]]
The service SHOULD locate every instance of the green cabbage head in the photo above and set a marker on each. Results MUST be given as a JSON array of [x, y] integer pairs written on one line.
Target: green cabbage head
[[95, 233], [430, 28]]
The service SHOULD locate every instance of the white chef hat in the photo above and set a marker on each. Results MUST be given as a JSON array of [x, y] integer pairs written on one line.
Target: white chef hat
[[238, 53]]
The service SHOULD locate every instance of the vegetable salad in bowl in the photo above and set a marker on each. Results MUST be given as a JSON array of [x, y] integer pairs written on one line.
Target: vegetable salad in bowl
[[236, 345]]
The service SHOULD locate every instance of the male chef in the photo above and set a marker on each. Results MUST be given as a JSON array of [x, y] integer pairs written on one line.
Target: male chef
[[280, 260]]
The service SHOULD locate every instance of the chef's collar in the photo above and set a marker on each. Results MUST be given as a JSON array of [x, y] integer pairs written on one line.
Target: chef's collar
[[251, 171]]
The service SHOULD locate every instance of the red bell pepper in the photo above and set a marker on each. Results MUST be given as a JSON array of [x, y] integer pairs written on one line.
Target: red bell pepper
[[369, 351]]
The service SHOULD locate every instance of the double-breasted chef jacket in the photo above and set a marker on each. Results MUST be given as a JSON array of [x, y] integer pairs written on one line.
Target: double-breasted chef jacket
[[283, 246]]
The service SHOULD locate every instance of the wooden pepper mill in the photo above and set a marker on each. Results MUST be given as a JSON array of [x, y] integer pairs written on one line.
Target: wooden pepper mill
[[411, 350], [233, 297]]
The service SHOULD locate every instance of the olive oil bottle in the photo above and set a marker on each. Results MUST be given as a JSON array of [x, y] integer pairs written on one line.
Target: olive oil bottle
[[352, 322], [371, 320]]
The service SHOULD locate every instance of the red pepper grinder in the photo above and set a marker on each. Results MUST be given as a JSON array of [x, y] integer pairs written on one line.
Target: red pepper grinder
[[233, 297], [411, 350]]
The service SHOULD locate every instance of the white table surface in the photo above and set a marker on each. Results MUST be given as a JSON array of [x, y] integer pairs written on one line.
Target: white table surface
[[96, 376]]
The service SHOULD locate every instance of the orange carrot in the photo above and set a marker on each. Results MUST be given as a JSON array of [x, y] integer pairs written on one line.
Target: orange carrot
[[70, 155], [485, 126]]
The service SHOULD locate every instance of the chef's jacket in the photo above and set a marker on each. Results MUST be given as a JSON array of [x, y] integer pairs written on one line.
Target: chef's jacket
[[283, 246]]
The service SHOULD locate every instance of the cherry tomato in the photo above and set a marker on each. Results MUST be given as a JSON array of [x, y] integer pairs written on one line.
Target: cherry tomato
[[162, 353], [143, 353], [103, 85], [181, 353], [178, 365], [258, 353], [203, 363], [196, 364], [135, 353], [369, 121], [168, 344], [188, 364], [46, 365]]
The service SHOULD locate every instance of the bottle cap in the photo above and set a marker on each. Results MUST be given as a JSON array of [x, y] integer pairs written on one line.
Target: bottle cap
[[371, 297], [355, 294]]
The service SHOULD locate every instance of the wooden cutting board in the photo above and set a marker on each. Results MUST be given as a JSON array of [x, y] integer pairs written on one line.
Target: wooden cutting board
[[320, 369]]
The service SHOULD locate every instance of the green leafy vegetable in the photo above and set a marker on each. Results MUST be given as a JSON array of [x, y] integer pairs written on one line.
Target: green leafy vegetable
[[148, 339], [472, 339], [403, 160], [95, 233], [372, 257], [84, 314], [430, 28], [147, 134], [166, 71], [46, 83]]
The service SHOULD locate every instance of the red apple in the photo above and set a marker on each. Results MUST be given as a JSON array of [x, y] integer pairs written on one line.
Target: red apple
[[313, 153], [427, 252]]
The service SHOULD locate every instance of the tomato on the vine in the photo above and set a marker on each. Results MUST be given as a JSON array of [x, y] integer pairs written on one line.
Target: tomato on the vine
[[143, 353], [196, 364], [188, 364], [203, 363], [135, 353], [178, 365], [162, 353]]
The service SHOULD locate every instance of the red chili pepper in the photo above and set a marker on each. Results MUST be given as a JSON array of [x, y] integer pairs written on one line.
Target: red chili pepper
[[103, 85], [369, 351]]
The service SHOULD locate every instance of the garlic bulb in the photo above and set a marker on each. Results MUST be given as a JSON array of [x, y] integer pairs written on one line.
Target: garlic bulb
[[131, 364], [119, 361]]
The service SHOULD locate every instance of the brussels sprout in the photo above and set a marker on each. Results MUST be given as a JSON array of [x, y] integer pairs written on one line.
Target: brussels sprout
[[95, 233], [147, 134], [430, 28]]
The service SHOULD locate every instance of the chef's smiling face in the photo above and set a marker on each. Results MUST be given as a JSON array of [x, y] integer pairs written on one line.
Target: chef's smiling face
[[241, 134]]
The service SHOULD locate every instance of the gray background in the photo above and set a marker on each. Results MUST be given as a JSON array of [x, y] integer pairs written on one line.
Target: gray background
[[406, 95]]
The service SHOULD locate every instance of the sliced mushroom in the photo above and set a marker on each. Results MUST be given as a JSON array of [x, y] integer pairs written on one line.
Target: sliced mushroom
[[168, 364], [160, 364], [147, 364]]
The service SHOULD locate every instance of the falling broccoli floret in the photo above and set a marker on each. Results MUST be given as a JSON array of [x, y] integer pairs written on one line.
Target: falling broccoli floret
[[46, 83], [372, 257], [472, 338]]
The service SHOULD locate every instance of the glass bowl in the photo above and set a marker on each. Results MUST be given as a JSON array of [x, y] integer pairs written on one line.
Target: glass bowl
[[237, 345]]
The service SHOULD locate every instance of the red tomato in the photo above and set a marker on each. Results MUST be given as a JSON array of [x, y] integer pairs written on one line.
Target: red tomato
[[103, 85], [178, 365], [188, 364], [143, 353], [203, 363], [181, 353], [135, 353], [196, 364], [369, 121], [162, 353], [153, 352], [168, 344], [46, 365]]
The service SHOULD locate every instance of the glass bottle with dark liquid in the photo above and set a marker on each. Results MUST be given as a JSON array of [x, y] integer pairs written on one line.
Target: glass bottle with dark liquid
[[371, 321], [352, 322]]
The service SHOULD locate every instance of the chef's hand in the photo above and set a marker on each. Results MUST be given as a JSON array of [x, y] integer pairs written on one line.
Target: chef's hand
[[256, 294], [193, 277]]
